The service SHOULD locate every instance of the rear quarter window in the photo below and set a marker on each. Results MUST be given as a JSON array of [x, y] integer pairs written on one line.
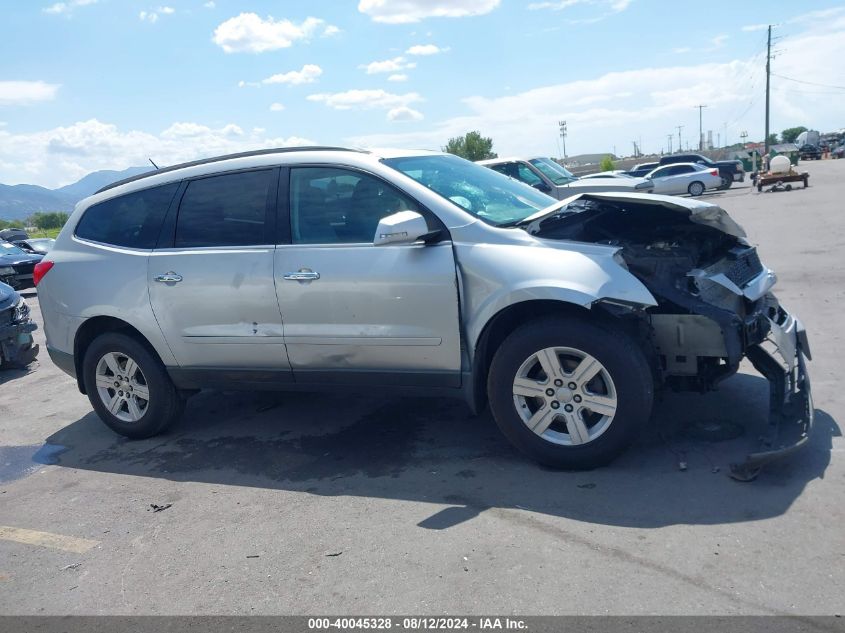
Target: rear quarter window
[[131, 221]]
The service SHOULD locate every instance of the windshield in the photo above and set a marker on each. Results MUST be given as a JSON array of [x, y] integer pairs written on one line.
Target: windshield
[[486, 194], [9, 249], [553, 171]]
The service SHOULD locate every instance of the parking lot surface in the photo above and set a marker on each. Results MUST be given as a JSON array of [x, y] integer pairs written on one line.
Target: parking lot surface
[[368, 504]]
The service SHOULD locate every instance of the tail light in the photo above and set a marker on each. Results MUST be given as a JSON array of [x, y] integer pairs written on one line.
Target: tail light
[[714, 172], [41, 269]]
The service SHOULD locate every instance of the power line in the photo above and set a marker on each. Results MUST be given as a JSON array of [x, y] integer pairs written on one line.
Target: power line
[[809, 83]]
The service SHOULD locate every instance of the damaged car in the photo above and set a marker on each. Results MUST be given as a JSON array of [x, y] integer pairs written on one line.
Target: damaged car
[[418, 272], [17, 348]]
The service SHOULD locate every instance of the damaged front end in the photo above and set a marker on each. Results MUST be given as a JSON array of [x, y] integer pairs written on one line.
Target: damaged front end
[[714, 303], [17, 347]]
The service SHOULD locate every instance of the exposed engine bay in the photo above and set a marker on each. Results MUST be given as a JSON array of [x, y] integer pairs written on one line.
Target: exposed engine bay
[[714, 305]]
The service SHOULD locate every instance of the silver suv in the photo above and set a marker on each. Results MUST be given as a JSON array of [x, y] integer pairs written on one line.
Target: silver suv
[[325, 268]]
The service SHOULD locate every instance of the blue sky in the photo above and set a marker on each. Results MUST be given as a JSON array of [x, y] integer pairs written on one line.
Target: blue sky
[[94, 84]]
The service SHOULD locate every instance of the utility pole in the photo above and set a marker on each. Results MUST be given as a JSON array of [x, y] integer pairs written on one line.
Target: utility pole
[[680, 144], [562, 125], [670, 137], [700, 129], [636, 150], [768, 73]]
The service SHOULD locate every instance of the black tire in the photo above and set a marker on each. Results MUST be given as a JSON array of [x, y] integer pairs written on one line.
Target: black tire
[[165, 405], [621, 357], [727, 182], [696, 186]]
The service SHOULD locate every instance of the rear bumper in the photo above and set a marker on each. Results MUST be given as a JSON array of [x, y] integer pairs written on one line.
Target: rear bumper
[[62, 360], [781, 359], [739, 176], [17, 346]]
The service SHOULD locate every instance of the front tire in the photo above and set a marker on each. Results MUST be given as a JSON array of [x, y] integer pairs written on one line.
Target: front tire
[[568, 393], [696, 188], [129, 387]]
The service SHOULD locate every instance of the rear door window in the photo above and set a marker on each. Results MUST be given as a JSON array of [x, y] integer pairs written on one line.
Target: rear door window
[[225, 210], [131, 221]]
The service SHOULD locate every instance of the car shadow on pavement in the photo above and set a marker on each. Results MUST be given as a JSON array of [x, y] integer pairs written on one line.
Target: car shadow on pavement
[[433, 451]]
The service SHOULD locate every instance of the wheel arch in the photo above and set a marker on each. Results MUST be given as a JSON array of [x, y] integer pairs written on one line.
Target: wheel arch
[[501, 324], [95, 326]]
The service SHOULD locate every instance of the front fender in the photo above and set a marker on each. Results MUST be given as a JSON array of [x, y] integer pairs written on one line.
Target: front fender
[[495, 276]]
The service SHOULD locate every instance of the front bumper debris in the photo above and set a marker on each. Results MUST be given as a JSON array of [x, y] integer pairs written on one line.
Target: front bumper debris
[[17, 346], [781, 359]]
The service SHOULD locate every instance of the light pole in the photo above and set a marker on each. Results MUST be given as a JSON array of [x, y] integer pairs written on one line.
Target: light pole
[[700, 129], [562, 125]]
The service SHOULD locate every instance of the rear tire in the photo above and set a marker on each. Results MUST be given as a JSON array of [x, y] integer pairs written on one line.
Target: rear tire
[[128, 387], [575, 436], [727, 182], [696, 188]]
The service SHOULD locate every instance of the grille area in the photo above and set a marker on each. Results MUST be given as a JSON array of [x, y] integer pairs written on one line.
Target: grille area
[[745, 267]]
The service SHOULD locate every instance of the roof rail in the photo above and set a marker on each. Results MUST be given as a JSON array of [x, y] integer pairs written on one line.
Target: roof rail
[[215, 159]]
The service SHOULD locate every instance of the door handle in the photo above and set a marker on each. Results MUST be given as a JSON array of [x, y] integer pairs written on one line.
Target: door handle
[[169, 277], [302, 275]]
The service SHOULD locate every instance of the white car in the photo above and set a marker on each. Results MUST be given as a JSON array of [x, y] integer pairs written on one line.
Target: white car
[[616, 173], [553, 179], [680, 178]]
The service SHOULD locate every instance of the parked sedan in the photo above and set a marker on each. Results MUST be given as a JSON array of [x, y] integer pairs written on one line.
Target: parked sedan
[[691, 178], [37, 246], [16, 266], [642, 169], [547, 176]]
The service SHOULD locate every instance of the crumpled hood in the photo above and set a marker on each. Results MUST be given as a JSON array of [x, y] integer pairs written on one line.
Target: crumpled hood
[[8, 297], [700, 212]]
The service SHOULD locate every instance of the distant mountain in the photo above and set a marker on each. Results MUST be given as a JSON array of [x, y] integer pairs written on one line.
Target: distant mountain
[[97, 180], [20, 201]]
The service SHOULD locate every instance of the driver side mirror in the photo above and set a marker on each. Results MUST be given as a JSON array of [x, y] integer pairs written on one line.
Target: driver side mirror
[[404, 227]]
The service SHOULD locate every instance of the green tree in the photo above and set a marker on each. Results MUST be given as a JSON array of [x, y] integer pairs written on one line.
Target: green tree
[[48, 220], [790, 134], [607, 164], [471, 146], [11, 224], [772, 140]]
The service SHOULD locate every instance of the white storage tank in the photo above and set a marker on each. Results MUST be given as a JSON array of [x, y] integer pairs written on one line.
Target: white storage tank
[[780, 165]]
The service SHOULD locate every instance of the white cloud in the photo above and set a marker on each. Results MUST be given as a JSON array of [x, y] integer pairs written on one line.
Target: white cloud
[[153, 16], [330, 30], [66, 8], [64, 154], [610, 7], [17, 93], [249, 33], [276, 107], [210, 4], [404, 113], [308, 75], [613, 108], [755, 27], [681, 50], [398, 77], [425, 49], [388, 66], [408, 11], [364, 99]]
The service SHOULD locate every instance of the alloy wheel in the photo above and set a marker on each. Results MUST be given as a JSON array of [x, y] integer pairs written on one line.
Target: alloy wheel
[[122, 387], [565, 396]]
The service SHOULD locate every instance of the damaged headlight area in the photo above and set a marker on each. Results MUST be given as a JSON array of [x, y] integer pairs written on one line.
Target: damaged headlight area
[[714, 305]]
